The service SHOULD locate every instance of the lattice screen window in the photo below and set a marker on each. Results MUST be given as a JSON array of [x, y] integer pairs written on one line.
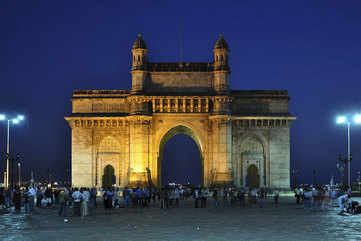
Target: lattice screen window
[[252, 146], [109, 144]]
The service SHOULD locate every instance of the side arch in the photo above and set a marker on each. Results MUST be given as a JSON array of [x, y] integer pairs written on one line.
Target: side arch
[[108, 153], [252, 152]]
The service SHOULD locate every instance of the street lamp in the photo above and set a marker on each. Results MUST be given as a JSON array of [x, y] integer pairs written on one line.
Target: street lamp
[[345, 120], [14, 121]]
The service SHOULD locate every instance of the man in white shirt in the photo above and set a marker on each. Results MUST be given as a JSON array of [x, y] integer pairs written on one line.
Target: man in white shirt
[[77, 196], [32, 194]]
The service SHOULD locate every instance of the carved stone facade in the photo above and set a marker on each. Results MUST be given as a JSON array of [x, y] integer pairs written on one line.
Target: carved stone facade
[[234, 129]]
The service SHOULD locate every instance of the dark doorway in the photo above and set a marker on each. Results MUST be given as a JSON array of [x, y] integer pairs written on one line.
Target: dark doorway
[[253, 176], [108, 177], [181, 161]]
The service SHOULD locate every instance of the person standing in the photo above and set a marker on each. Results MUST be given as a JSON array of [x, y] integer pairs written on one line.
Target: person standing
[[17, 199], [85, 201], [92, 200], [276, 195], [109, 200], [241, 197], [26, 200], [315, 197], [139, 193], [297, 195], [2, 198], [260, 197], [176, 196], [307, 202], [77, 197], [39, 197], [32, 195], [126, 197], [203, 197], [63, 197], [215, 198], [196, 197]]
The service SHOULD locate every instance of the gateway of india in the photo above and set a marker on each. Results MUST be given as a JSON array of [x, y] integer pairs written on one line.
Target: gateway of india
[[243, 136]]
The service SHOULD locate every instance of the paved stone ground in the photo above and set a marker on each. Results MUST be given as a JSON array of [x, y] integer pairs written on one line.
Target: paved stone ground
[[288, 221]]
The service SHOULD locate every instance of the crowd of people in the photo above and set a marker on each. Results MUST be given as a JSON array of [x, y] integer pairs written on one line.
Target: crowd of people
[[317, 197], [83, 201]]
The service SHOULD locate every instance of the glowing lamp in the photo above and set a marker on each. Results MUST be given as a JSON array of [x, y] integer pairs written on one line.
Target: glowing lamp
[[341, 120], [357, 119]]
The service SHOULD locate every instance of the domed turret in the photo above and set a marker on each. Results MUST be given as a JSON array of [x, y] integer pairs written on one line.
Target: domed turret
[[139, 51], [139, 43], [221, 43]]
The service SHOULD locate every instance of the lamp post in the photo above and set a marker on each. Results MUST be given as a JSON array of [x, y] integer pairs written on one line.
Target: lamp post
[[345, 120], [19, 173], [359, 180], [341, 167], [13, 121]]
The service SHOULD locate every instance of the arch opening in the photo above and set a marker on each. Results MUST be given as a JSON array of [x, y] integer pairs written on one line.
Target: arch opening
[[108, 179], [190, 148]]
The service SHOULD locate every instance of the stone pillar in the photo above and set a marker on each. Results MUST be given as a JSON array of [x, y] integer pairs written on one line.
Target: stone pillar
[[222, 150], [139, 149], [81, 155], [280, 157], [168, 105]]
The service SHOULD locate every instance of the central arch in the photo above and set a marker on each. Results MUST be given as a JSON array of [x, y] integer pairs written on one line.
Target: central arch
[[180, 129]]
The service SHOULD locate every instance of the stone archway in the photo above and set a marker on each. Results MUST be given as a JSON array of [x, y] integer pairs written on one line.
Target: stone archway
[[252, 159], [180, 129], [108, 154]]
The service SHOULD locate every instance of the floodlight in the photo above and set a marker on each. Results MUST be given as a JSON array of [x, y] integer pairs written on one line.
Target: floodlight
[[357, 119], [15, 121], [20, 117], [341, 120], [2, 117]]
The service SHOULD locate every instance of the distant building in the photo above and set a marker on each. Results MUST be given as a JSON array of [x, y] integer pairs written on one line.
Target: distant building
[[243, 135]]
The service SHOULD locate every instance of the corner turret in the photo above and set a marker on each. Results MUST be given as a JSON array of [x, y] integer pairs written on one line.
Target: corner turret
[[139, 64], [221, 65]]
